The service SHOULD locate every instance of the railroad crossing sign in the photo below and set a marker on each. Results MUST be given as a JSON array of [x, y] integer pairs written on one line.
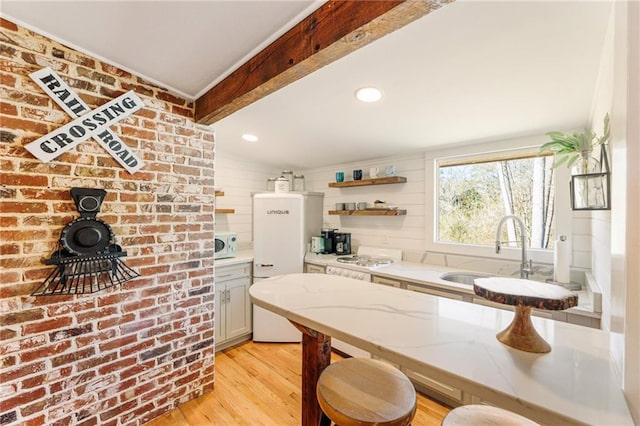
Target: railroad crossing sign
[[87, 124]]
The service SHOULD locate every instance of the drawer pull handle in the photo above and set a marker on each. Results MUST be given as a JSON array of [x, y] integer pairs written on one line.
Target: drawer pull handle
[[266, 265], [225, 275]]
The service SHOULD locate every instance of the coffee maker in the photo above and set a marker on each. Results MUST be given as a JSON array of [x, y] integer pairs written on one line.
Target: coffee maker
[[342, 243], [328, 235]]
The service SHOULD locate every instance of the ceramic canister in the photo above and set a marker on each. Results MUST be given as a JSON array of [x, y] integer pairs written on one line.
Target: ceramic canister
[[282, 185]]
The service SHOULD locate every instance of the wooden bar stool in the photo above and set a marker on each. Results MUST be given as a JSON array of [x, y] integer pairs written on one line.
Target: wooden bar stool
[[362, 391], [484, 415]]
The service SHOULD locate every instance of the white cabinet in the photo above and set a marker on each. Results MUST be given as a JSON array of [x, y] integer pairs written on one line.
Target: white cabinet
[[386, 281], [421, 288], [435, 292], [310, 268], [428, 386], [583, 320], [232, 305]]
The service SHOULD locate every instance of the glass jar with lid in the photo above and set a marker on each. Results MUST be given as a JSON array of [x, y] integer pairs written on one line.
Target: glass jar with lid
[[298, 182], [288, 175], [271, 184]]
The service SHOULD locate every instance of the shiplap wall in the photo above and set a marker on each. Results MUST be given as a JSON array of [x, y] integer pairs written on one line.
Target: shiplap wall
[[582, 239], [238, 179], [406, 232]]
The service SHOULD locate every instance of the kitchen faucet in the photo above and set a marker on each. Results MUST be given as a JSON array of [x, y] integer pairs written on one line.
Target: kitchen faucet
[[526, 267]]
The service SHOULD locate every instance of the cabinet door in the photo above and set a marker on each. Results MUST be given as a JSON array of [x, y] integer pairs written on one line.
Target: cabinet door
[[439, 387], [219, 321], [434, 292], [386, 281], [313, 269], [238, 307]]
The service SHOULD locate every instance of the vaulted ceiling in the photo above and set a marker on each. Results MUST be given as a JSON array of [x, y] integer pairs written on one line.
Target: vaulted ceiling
[[471, 71]]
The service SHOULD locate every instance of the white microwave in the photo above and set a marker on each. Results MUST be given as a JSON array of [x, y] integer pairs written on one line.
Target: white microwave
[[226, 245]]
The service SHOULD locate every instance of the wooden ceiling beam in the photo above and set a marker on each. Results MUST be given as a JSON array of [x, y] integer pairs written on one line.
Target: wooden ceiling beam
[[334, 30]]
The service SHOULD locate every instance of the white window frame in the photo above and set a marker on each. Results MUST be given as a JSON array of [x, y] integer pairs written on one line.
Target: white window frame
[[524, 146]]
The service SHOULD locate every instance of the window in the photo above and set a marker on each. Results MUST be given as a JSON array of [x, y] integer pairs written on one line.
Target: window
[[474, 195]]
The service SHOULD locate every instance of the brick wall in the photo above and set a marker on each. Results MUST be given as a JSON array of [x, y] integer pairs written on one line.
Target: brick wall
[[126, 354]]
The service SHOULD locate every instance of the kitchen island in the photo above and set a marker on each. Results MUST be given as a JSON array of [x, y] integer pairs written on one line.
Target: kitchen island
[[454, 342]]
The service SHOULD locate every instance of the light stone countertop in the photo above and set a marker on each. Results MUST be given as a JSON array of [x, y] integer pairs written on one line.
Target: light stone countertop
[[242, 256], [426, 274], [454, 342]]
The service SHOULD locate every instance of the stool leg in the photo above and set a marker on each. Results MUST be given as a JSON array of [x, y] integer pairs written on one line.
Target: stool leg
[[324, 420]]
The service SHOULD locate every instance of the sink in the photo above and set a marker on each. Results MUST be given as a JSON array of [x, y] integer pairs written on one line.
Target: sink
[[465, 278]]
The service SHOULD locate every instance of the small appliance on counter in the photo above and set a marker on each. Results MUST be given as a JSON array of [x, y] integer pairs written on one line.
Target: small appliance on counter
[[342, 243], [328, 234], [226, 245], [317, 244]]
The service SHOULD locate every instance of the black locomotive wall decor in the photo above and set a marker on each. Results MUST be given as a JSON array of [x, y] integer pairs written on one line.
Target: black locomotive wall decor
[[87, 259]]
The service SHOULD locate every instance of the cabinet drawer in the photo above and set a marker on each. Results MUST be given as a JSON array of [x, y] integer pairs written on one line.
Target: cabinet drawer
[[313, 269], [435, 292], [446, 390], [542, 314], [386, 281], [583, 320], [231, 272]]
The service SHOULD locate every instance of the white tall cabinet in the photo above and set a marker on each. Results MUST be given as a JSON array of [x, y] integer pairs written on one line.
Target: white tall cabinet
[[232, 305]]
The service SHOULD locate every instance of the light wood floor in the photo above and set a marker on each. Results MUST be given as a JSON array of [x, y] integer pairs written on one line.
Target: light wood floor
[[259, 384]]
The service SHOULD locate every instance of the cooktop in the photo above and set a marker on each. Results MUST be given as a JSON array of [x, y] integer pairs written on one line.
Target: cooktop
[[365, 260]]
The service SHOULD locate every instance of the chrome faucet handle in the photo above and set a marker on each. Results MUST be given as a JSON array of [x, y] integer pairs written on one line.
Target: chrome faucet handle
[[527, 268]]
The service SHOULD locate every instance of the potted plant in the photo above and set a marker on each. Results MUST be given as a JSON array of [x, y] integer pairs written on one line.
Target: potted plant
[[590, 189], [571, 146]]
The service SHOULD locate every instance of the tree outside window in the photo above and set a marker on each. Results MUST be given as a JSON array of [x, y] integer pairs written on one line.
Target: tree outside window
[[474, 196]]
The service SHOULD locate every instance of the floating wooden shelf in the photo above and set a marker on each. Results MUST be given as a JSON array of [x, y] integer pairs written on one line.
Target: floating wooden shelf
[[223, 211], [367, 212], [365, 182]]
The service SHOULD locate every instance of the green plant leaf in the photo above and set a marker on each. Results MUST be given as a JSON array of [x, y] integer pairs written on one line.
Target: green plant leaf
[[567, 146], [555, 146], [572, 161], [559, 160]]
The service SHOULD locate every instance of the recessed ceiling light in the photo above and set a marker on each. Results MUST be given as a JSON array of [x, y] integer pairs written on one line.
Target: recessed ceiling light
[[369, 94], [249, 137]]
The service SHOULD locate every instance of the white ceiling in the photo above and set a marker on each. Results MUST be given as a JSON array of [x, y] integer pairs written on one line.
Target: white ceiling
[[470, 72], [185, 46]]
